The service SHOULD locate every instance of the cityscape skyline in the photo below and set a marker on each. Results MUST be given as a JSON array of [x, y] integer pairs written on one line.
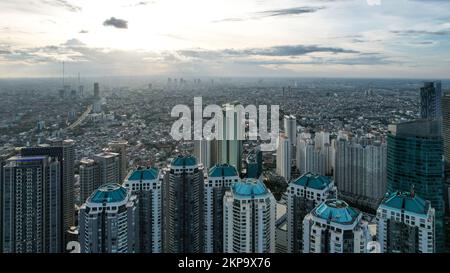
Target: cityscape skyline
[[359, 38], [225, 126]]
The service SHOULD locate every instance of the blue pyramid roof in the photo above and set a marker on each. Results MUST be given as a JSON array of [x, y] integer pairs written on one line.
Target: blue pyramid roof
[[336, 211], [109, 193], [249, 187], [406, 201], [318, 182], [221, 170]]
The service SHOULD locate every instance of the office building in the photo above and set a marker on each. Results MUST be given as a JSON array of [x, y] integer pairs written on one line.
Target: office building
[[290, 128], [219, 180], [109, 167], [334, 227], [249, 218], [203, 151], [303, 195], [31, 211], [183, 206], [64, 151], [254, 163], [229, 150], [96, 90], [109, 221], [146, 184], [284, 161], [431, 100], [414, 161], [120, 147], [89, 178], [446, 138], [405, 224]]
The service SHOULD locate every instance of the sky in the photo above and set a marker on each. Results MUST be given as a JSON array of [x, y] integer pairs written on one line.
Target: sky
[[227, 38]]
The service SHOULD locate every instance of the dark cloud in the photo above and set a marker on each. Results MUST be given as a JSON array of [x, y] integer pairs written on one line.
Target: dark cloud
[[272, 13], [115, 22], [289, 11], [64, 4], [359, 59], [411, 32], [275, 51]]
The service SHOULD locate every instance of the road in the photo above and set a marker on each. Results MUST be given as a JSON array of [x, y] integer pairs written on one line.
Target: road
[[80, 119]]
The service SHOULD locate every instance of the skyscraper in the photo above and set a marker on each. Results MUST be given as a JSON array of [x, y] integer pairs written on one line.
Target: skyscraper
[[183, 200], [405, 224], [304, 194], [220, 178], [145, 183], [31, 205], [89, 178], [290, 128], [249, 218], [414, 161], [109, 221], [120, 147], [334, 227], [254, 163], [96, 90], [64, 151], [229, 150], [430, 100], [204, 153], [446, 136], [284, 157], [315, 157], [109, 167], [4, 156], [360, 171]]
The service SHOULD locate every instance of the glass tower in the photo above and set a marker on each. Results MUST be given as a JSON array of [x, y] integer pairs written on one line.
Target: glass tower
[[414, 162]]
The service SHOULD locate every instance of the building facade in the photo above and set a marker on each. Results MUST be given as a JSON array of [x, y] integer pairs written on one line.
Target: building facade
[[89, 178], [284, 160], [303, 195], [430, 100], [109, 221], [414, 162], [360, 172], [183, 206], [146, 184], [249, 218], [334, 227], [109, 167], [405, 224], [31, 208], [219, 180]]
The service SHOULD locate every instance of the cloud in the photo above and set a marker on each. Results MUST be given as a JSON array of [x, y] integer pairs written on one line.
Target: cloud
[[64, 4], [272, 13], [289, 11], [411, 32], [275, 51], [117, 23], [74, 43], [235, 19]]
